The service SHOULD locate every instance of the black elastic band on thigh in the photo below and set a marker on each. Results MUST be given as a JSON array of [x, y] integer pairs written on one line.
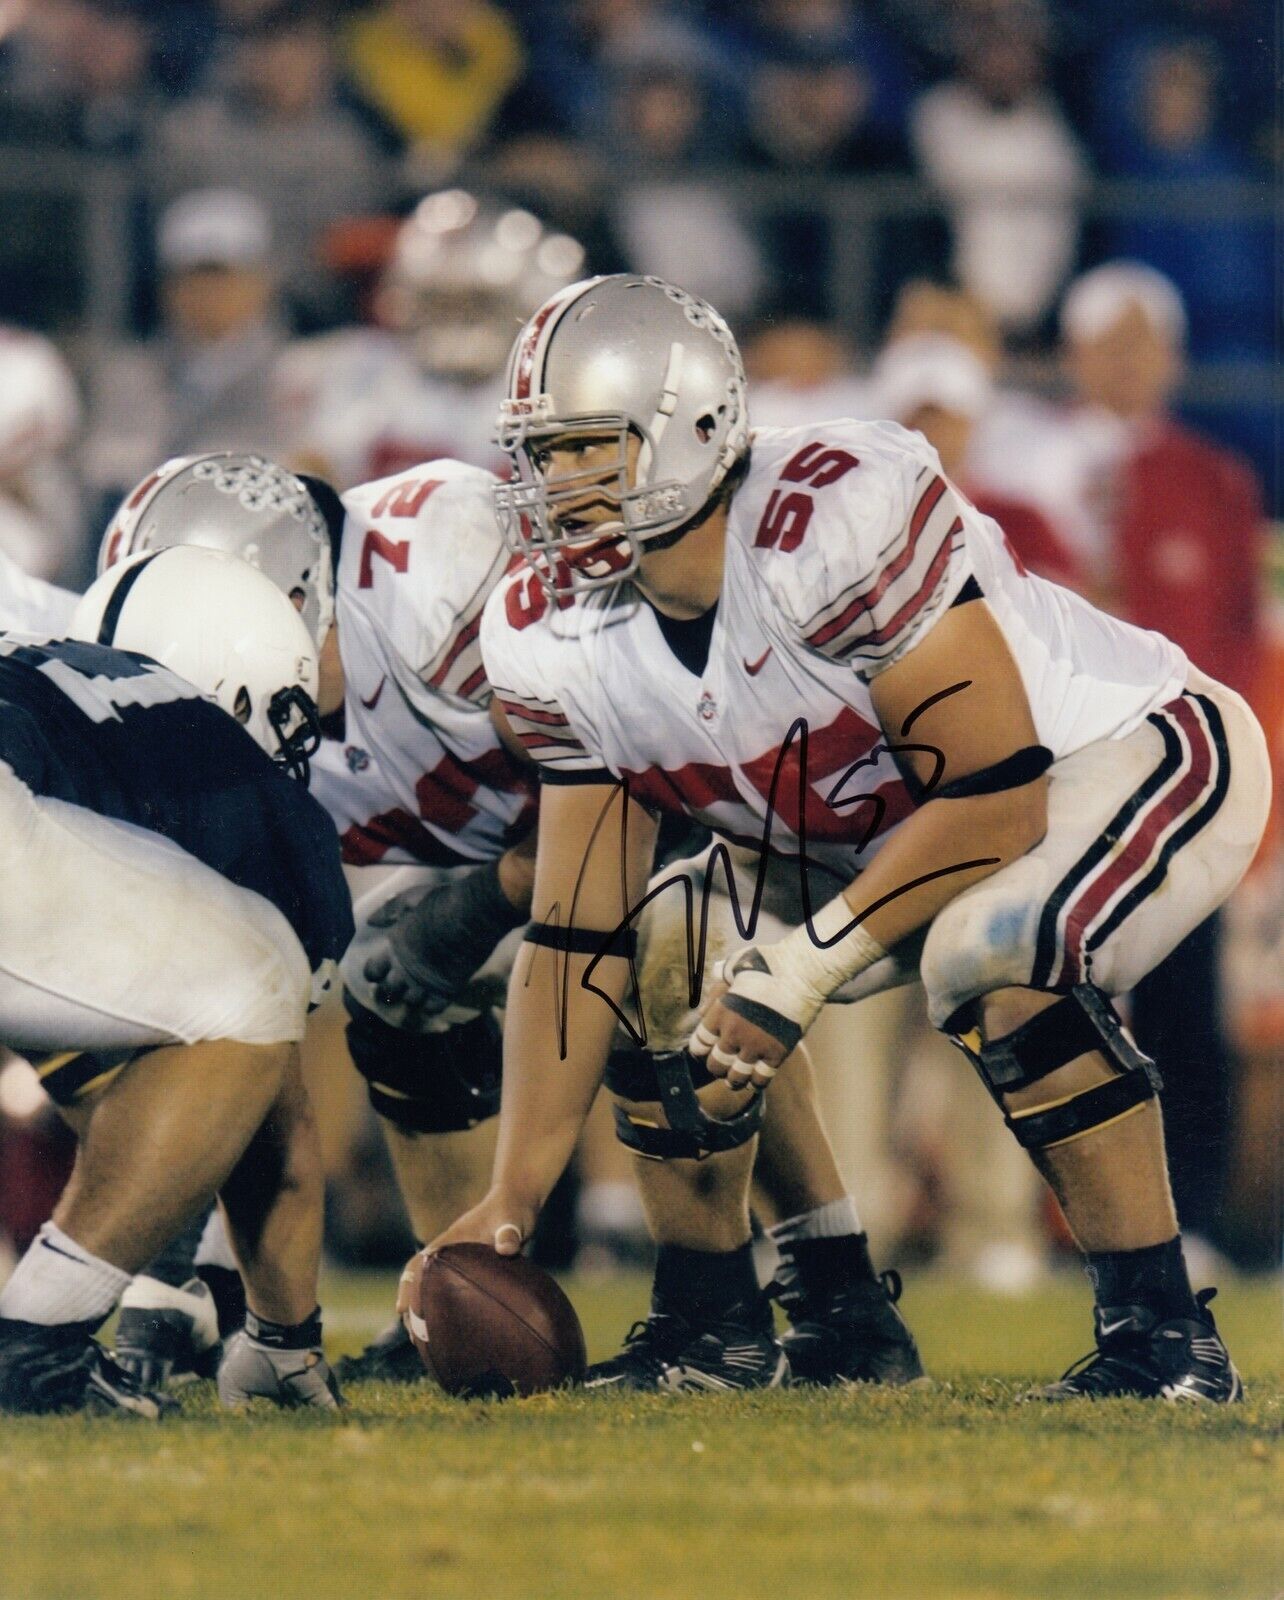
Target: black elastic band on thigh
[[584, 941], [1013, 772]]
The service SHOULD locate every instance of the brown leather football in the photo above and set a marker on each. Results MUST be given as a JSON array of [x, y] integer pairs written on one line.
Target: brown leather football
[[491, 1326]]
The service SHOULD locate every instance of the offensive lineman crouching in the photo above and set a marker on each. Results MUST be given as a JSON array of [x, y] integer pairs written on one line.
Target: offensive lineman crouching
[[170, 893], [824, 647], [428, 802]]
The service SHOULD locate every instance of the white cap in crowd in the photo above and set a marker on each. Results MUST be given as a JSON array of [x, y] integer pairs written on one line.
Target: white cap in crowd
[[930, 369], [1095, 302], [39, 403], [214, 227]]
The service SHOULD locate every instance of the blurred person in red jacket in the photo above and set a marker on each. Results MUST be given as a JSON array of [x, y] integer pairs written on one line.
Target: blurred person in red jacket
[[1182, 514]]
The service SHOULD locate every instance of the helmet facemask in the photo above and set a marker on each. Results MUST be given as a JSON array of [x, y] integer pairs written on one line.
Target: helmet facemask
[[293, 717], [645, 368], [534, 511]]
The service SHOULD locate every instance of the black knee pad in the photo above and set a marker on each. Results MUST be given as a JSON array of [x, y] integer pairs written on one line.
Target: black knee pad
[[672, 1078], [428, 1082], [1083, 1020]]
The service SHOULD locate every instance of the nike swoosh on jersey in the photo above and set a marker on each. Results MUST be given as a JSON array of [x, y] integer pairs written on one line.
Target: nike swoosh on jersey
[[754, 668], [373, 701]]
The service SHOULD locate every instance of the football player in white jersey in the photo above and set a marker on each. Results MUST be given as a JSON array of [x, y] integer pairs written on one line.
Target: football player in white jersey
[[370, 402], [925, 761], [439, 814]]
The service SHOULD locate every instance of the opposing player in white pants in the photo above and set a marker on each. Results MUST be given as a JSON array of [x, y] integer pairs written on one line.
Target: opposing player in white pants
[[809, 639], [173, 900]]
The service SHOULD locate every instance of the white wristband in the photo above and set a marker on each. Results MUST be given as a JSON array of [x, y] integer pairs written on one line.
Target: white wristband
[[820, 969]]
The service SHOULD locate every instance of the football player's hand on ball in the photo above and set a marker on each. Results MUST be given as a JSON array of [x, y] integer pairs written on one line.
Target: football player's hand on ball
[[497, 1220], [746, 1033]]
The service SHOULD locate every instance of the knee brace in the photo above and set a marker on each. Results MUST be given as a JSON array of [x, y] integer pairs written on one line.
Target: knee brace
[[1080, 1021], [427, 1082], [672, 1077]]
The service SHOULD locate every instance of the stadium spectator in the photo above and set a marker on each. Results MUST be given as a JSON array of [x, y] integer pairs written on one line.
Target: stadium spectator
[[1164, 521], [1167, 125], [207, 381], [812, 113], [996, 144], [78, 72], [1168, 130], [277, 131], [991, 421], [848, 36], [40, 511], [936, 385], [803, 371], [811, 110], [438, 70], [575, 49], [670, 220]]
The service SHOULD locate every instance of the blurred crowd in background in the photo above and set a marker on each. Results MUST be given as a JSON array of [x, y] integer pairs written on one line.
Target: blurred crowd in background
[[1044, 235]]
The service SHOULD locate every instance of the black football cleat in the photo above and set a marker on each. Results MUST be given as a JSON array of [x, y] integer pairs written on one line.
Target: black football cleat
[[1140, 1356], [44, 1369], [112, 1391], [648, 1346], [855, 1336], [391, 1358], [669, 1354]]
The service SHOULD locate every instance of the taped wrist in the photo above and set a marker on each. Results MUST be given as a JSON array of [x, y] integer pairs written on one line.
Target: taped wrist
[[305, 1335], [809, 968], [455, 926]]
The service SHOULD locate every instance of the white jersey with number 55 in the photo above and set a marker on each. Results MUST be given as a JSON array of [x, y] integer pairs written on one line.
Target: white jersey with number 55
[[418, 774], [845, 544]]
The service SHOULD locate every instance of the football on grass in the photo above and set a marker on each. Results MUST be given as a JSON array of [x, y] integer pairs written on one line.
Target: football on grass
[[491, 1326]]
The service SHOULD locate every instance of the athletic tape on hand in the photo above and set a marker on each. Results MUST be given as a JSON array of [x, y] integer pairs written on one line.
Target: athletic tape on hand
[[702, 1041]]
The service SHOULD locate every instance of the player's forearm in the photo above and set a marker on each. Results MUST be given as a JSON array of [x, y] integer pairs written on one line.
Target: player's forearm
[[778, 990], [557, 1036], [943, 848]]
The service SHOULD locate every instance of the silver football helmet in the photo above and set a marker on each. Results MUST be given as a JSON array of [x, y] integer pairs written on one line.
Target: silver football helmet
[[241, 503], [465, 273], [225, 628], [617, 358]]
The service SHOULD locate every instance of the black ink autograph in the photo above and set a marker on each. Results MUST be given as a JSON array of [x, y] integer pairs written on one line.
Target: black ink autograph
[[696, 943]]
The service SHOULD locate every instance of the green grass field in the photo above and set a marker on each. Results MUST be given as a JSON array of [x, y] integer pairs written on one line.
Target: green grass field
[[953, 1492]]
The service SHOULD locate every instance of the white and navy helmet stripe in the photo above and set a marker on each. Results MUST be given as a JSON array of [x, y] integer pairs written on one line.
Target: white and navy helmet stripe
[[116, 603]]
